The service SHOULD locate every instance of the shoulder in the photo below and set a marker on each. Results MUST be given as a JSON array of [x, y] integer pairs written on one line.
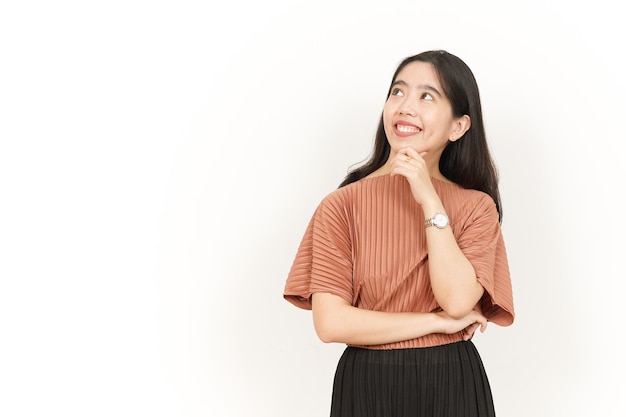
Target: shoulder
[[467, 202], [343, 204], [455, 191], [351, 193]]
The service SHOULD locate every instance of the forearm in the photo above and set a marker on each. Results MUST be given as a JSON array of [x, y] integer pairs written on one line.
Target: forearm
[[337, 321], [452, 276]]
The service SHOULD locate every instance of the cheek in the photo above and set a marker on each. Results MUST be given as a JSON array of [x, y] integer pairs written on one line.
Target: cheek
[[434, 119], [387, 123], [388, 112]]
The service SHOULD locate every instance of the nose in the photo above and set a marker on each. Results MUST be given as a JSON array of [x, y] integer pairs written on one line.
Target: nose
[[407, 107]]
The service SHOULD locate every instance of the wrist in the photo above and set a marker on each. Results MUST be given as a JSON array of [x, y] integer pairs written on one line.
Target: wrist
[[437, 323], [439, 220], [431, 208]]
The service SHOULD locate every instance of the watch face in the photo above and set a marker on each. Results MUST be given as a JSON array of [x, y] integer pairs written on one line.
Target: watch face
[[440, 220]]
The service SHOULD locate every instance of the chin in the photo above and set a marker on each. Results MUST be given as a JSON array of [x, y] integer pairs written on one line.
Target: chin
[[400, 143]]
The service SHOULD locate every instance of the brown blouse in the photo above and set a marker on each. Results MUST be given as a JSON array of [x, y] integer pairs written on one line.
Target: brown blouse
[[366, 243]]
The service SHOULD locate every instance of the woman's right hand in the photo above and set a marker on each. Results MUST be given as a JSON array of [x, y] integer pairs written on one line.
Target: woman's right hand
[[468, 324]]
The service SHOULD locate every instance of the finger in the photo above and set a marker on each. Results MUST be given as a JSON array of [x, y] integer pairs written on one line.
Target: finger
[[414, 154], [469, 332], [402, 159], [467, 335], [409, 153]]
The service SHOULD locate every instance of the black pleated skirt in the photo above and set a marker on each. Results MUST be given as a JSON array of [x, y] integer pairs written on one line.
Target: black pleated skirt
[[439, 381]]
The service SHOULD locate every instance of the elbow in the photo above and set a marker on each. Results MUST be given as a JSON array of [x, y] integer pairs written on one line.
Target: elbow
[[460, 306], [325, 338], [328, 314], [456, 312], [325, 332]]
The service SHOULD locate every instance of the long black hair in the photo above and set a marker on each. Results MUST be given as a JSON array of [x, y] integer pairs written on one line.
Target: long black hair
[[466, 161]]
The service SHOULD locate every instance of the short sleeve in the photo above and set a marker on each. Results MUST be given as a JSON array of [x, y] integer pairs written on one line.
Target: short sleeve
[[483, 244], [323, 262]]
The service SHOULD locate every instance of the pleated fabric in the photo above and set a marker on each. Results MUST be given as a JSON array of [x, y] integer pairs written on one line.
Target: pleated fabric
[[440, 381], [366, 243]]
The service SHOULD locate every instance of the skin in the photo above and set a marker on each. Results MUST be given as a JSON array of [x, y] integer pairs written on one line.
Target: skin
[[419, 123]]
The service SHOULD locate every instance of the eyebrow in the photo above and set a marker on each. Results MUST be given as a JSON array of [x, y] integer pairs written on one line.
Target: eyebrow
[[419, 87]]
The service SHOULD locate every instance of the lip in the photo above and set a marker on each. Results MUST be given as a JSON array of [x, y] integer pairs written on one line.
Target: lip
[[408, 129]]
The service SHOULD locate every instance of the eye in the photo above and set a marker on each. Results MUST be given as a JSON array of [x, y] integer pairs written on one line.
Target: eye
[[397, 92], [427, 97]]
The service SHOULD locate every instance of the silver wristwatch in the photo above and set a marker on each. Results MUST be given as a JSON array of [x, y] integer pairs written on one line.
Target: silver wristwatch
[[439, 220]]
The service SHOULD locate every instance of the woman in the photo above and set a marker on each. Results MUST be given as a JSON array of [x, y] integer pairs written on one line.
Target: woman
[[406, 260]]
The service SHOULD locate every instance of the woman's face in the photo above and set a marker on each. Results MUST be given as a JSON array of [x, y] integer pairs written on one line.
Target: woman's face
[[417, 114]]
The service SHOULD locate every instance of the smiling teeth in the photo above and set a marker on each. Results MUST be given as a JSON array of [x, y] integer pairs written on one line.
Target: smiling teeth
[[406, 129]]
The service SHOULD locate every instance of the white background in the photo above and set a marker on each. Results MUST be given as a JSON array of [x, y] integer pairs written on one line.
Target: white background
[[159, 162]]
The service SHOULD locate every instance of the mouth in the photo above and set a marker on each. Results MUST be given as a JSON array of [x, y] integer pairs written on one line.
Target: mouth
[[406, 129]]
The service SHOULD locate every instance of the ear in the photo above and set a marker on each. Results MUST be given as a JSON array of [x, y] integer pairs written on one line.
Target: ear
[[459, 127]]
